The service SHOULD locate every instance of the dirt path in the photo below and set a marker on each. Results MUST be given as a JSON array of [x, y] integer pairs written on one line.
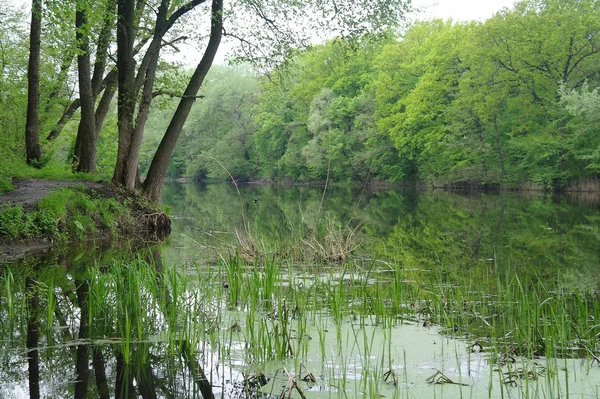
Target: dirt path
[[28, 192]]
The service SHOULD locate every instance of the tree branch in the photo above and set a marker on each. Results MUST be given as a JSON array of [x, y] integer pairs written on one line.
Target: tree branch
[[173, 94]]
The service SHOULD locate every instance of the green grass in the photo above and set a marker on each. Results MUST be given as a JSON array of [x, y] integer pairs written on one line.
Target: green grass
[[16, 223], [67, 211], [53, 171]]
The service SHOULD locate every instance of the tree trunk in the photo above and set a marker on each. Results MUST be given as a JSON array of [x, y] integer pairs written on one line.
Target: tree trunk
[[33, 356], [82, 370], [74, 106], [32, 139], [126, 79], [124, 388], [158, 168], [85, 145], [100, 374], [104, 104], [102, 47], [60, 81], [67, 115], [130, 177], [130, 136]]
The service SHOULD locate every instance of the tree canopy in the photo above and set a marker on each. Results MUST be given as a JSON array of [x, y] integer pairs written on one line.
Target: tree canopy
[[118, 44], [509, 101]]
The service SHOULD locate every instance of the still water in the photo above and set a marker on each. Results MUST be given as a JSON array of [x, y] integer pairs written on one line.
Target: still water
[[269, 290], [537, 233]]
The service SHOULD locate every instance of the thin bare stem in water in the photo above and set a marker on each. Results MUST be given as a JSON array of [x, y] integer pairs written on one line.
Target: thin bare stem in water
[[236, 189], [327, 177]]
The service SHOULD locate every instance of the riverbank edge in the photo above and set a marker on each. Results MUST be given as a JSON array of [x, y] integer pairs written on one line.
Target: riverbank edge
[[131, 218]]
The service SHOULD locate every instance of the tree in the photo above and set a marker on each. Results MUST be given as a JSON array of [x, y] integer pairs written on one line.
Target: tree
[[32, 141], [158, 168], [14, 53], [85, 146], [537, 47], [276, 38], [220, 126], [267, 32], [584, 106]]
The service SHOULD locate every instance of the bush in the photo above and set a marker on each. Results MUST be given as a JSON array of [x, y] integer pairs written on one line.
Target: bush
[[12, 221], [16, 223]]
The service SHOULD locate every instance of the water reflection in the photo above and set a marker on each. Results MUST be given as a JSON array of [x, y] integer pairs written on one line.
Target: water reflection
[[539, 233], [59, 338], [83, 323]]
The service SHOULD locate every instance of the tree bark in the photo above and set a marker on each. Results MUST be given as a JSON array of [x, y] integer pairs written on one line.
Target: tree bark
[[60, 81], [131, 164], [158, 168], [105, 101], [74, 106], [67, 115], [102, 47], [126, 79], [85, 145], [32, 138]]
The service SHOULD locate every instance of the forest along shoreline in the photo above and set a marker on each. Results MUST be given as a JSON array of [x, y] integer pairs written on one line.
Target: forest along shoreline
[[40, 214]]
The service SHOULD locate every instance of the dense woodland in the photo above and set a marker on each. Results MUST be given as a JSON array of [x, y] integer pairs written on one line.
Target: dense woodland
[[512, 101]]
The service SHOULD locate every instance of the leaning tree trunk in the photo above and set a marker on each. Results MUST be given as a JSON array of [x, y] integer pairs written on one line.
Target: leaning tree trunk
[[158, 168], [85, 145], [130, 135], [105, 101], [126, 79], [148, 73], [32, 139]]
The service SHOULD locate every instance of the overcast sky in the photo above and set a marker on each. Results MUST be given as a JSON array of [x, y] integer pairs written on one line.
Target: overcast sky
[[458, 10], [463, 10]]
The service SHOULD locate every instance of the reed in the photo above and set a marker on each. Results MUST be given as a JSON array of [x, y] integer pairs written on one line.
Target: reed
[[343, 320]]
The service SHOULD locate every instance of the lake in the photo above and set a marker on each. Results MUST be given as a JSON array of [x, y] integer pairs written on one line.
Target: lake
[[269, 291]]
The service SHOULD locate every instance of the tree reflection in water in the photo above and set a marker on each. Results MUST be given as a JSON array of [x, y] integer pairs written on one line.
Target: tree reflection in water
[[54, 307]]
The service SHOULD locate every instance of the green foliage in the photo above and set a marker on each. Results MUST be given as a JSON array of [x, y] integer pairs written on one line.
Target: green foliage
[[447, 103], [584, 128], [13, 98], [69, 211], [16, 223], [219, 127], [505, 101]]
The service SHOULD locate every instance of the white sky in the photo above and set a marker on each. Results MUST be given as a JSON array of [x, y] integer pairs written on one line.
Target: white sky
[[458, 10], [463, 10]]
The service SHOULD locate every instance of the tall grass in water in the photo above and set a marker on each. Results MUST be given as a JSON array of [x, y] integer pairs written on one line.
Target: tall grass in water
[[343, 321]]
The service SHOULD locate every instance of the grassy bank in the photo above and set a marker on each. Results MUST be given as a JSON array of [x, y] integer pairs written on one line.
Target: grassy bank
[[72, 211]]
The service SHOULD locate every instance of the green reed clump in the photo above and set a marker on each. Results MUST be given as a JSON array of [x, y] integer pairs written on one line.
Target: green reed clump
[[521, 316], [127, 300]]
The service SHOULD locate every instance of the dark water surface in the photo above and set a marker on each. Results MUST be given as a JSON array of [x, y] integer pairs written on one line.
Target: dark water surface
[[191, 318]]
